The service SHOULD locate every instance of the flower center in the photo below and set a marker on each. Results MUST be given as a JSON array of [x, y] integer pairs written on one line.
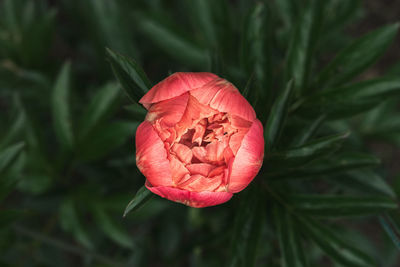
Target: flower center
[[201, 146]]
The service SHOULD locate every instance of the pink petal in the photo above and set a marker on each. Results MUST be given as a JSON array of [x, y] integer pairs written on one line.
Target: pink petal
[[151, 156], [200, 153], [215, 151], [248, 160], [199, 183], [176, 85], [192, 199], [170, 111], [236, 140], [239, 122], [228, 99], [200, 168], [178, 169], [183, 152]]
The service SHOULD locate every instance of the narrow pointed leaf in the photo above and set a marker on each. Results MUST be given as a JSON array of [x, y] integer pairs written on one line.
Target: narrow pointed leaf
[[289, 240], [358, 56], [330, 166], [340, 250], [203, 15], [8, 155], [99, 108], [277, 117], [246, 232], [142, 196], [309, 131], [173, 43], [303, 43], [365, 181], [312, 150], [129, 74], [332, 206], [60, 108], [15, 130], [256, 52], [391, 224], [106, 138], [349, 100]]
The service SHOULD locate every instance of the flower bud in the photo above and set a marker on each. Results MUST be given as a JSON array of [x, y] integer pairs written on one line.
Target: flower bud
[[200, 142]]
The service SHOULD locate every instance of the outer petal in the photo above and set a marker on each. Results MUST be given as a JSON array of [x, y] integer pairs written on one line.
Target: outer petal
[[231, 101], [192, 199], [175, 85], [151, 156], [224, 97], [169, 111], [248, 160]]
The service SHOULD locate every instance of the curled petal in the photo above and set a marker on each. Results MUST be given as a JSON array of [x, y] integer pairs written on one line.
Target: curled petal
[[170, 111], [199, 183], [192, 199], [151, 156], [176, 85], [248, 159], [200, 168], [228, 99], [178, 169], [183, 152]]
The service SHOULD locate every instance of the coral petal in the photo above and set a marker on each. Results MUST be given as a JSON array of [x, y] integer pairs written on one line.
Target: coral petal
[[151, 156], [200, 168], [200, 153], [248, 160], [183, 152], [178, 169], [228, 99], [199, 183], [170, 111], [176, 85], [192, 199]]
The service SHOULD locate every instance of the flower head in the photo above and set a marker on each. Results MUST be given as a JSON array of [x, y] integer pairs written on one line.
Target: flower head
[[200, 142]]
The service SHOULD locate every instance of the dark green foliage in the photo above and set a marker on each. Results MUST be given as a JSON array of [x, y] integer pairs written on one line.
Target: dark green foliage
[[67, 155]]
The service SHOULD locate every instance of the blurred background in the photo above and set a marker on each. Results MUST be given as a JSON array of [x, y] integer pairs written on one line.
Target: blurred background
[[67, 164]]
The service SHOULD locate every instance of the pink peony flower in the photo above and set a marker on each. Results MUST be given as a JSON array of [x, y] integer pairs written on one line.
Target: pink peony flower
[[200, 142]]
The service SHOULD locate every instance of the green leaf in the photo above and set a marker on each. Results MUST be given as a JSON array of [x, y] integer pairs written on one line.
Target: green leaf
[[107, 137], [309, 131], [114, 231], [8, 155], [173, 43], [330, 166], [365, 181], [71, 223], [340, 250], [358, 56], [331, 206], [256, 52], [99, 108], [303, 43], [349, 100], [129, 74], [246, 232], [142, 196], [310, 151], [391, 224], [289, 11], [60, 107], [277, 117], [289, 239], [15, 129], [203, 15]]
